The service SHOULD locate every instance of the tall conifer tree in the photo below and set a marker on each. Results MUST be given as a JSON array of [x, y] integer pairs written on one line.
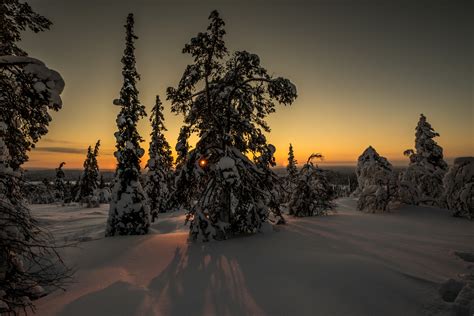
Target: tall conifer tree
[[129, 213], [159, 177]]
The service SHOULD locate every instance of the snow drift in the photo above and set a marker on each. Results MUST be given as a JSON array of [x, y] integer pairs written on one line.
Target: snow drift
[[350, 263]]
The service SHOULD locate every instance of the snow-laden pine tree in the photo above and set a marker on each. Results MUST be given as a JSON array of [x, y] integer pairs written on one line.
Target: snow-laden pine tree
[[159, 183], [374, 177], [288, 183], [90, 176], [101, 182], [59, 183], [28, 90], [129, 213], [224, 101], [292, 175], [291, 166], [459, 187], [313, 194], [422, 181]]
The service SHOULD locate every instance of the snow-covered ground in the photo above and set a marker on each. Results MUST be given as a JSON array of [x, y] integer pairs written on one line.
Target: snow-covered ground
[[348, 263]]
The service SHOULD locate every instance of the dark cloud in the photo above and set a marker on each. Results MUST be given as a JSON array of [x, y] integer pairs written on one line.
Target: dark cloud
[[57, 141], [71, 150], [66, 150]]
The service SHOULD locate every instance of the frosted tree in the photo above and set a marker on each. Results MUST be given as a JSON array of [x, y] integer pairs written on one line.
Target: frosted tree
[[292, 172], [59, 183], [90, 176], [159, 183], [459, 187], [422, 181], [224, 101], [101, 182], [313, 194], [291, 166], [374, 177], [129, 213], [28, 90]]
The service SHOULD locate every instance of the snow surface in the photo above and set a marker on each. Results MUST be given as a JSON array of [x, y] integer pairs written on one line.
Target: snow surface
[[348, 263]]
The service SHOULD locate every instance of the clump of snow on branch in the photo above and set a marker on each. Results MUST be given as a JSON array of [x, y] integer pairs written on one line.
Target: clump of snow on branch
[[37, 89]]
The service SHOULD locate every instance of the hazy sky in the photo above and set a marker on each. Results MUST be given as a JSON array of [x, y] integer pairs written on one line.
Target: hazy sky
[[364, 70]]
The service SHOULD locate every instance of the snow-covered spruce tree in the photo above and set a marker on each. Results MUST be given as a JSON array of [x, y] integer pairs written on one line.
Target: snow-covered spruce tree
[[292, 174], [224, 101], [159, 183], [101, 182], [129, 212], [59, 183], [459, 187], [90, 176], [313, 194], [291, 166], [28, 89], [273, 184], [75, 188], [374, 177], [422, 181]]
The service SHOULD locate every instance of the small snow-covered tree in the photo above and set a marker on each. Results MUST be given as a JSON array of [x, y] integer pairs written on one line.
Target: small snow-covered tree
[[374, 175], [129, 213], [90, 176], [101, 182], [422, 181], [291, 166], [272, 183], [225, 102], [159, 184], [59, 183], [459, 187], [289, 182], [28, 90], [313, 194]]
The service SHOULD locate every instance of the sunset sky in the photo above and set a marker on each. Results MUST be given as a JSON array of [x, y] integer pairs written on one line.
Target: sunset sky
[[364, 70]]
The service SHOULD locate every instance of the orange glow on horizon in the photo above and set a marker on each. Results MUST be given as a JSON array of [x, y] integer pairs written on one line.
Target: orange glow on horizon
[[343, 154]]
